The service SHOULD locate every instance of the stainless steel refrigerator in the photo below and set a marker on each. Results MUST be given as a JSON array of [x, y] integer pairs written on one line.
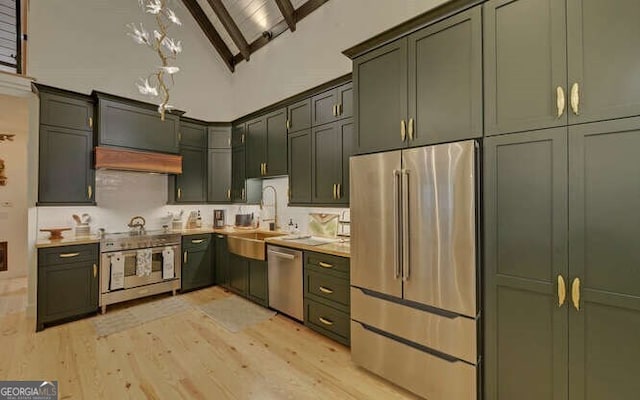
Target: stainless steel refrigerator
[[414, 273]]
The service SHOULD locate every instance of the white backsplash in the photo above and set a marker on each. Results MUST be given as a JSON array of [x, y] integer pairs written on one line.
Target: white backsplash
[[122, 195]]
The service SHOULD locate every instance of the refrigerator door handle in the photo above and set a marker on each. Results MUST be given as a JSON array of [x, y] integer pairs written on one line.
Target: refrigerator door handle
[[406, 268], [397, 254]]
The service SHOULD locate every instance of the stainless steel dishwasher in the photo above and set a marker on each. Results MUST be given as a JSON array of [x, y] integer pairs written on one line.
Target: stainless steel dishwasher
[[285, 281]]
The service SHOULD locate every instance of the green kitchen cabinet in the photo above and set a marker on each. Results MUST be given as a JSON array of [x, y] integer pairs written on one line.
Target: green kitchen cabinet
[[553, 62], [238, 274], [197, 265], [380, 95], [331, 148], [299, 116], [425, 88], [193, 133], [267, 145], [332, 105], [65, 169], [136, 125], [300, 175], [445, 80], [257, 282], [68, 284], [562, 304], [219, 184], [191, 185], [604, 226], [221, 261], [256, 147], [526, 250], [238, 189], [219, 164], [65, 157]]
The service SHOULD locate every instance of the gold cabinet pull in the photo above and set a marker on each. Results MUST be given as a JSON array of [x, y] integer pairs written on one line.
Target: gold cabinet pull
[[340, 109], [411, 128], [242, 193], [575, 98], [95, 270], [184, 257], [242, 138], [339, 191], [325, 321], [179, 193], [335, 191], [265, 168], [197, 241], [560, 101], [69, 255], [325, 290], [562, 291], [575, 293], [90, 191], [228, 194], [90, 122], [288, 124], [403, 130], [325, 265]]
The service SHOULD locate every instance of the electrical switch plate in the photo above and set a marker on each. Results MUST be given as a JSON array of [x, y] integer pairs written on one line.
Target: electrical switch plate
[[6, 204]]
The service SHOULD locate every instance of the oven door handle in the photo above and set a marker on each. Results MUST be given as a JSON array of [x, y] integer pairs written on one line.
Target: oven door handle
[[154, 250]]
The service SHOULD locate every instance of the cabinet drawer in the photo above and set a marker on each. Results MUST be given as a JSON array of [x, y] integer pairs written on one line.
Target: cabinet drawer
[[196, 242], [328, 288], [68, 254], [329, 263], [327, 321]]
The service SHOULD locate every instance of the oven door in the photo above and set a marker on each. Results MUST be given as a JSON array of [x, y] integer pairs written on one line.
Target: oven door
[[131, 279]]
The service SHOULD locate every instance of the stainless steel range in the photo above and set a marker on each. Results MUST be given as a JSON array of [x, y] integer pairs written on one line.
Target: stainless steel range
[[137, 264]]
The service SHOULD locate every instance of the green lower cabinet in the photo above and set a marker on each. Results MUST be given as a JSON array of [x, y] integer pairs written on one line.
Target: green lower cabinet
[[221, 261], [197, 267], [238, 274], [67, 283], [604, 227], [258, 285], [562, 300], [248, 278]]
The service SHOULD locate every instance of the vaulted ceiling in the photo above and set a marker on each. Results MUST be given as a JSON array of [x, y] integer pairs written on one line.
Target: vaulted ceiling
[[238, 28]]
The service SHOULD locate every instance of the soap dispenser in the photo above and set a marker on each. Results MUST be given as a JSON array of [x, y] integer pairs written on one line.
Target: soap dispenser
[[291, 226]]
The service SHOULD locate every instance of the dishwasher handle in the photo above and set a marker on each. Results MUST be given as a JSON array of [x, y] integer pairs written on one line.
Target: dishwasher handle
[[282, 255]]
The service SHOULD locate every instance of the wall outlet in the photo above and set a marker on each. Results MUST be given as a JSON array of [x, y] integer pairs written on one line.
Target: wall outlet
[[6, 204]]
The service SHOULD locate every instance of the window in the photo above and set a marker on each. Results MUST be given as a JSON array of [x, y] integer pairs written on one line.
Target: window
[[10, 36]]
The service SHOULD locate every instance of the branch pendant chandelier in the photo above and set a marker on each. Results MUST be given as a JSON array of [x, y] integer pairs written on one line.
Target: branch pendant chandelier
[[159, 82]]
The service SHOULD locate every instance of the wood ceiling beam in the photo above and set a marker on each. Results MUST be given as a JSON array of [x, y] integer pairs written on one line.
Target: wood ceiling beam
[[288, 12], [302, 11], [210, 32], [231, 27]]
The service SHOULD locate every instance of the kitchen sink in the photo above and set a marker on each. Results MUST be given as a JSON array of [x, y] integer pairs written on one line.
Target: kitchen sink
[[250, 244]]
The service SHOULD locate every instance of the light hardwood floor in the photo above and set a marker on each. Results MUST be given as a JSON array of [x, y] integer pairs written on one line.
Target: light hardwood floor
[[185, 356]]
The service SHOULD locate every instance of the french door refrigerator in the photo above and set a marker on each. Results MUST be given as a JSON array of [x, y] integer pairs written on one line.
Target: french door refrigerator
[[414, 275]]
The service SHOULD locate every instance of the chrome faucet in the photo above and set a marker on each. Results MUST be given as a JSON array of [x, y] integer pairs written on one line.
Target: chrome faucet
[[275, 205]]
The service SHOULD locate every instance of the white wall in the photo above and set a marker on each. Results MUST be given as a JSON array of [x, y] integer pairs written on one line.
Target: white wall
[[14, 119], [312, 54], [82, 45]]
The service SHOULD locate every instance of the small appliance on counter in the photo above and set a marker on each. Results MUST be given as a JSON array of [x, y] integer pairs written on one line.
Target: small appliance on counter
[[218, 219], [244, 220]]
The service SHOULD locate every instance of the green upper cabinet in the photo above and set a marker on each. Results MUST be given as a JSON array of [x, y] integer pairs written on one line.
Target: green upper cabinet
[[300, 157], [256, 146], [238, 135], [332, 105], [526, 250], [65, 148], [219, 137], [380, 95], [299, 116], [331, 147], [445, 80], [191, 185], [604, 226], [65, 110], [553, 62], [193, 134], [525, 69], [275, 163], [238, 178], [136, 125], [603, 59], [219, 164]]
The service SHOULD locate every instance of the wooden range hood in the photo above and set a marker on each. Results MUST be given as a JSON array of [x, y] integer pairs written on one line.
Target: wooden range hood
[[140, 161]]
